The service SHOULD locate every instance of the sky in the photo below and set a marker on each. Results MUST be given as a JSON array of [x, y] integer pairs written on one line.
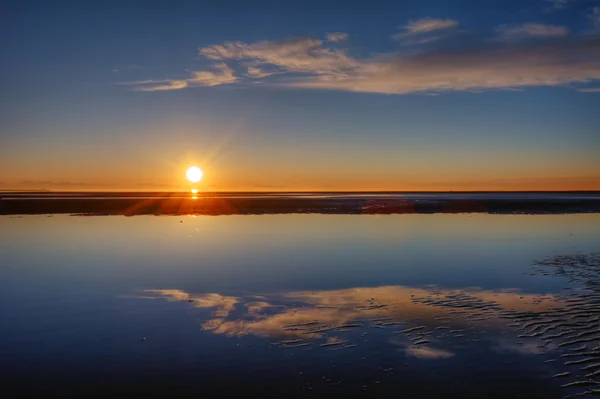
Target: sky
[[432, 95]]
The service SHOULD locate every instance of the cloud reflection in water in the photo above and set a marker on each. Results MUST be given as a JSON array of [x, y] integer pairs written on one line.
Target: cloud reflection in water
[[431, 323], [426, 317]]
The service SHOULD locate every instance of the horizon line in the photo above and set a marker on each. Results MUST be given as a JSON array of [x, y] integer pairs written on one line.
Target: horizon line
[[21, 191]]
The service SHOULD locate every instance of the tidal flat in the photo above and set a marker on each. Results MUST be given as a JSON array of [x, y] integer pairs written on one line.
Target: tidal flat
[[465, 305]]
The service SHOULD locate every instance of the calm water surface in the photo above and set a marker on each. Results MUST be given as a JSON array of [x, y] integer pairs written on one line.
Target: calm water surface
[[443, 305]]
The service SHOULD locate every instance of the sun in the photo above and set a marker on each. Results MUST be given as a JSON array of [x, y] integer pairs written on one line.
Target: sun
[[194, 174]]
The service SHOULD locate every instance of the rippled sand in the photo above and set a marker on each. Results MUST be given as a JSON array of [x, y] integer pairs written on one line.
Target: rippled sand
[[432, 323]]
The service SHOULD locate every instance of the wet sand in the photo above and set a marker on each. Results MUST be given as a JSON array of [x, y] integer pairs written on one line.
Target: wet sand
[[563, 331], [130, 204], [419, 306]]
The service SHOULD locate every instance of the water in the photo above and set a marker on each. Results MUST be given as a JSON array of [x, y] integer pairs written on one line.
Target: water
[[442, 305]]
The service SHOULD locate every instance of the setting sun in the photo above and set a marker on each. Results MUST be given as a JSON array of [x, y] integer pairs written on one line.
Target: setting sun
[[194, 174]]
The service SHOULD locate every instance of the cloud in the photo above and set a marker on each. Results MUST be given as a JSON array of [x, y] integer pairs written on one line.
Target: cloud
[[301, 55], [412, 41], [594, 16], [429, 25], [222, 74], [337, 37], [169, 85], [559, 4], [424, 26], [590, 90], [531, 29], [258, 73], [530, 64], [310, 63]]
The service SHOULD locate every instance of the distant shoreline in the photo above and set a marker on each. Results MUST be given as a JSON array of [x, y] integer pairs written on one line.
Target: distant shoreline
[[8, 193], [246, 203]]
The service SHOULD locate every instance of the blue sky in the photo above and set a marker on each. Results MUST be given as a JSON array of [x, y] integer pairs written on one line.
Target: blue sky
[[302, 95]]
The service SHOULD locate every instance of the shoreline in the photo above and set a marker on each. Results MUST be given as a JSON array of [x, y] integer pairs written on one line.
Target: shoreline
[[243, 205]]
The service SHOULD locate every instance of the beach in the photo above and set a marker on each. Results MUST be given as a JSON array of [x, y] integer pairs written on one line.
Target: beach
[[468, 305]]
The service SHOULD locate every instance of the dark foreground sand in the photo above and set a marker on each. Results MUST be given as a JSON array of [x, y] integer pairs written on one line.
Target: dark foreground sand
[[274, 203]]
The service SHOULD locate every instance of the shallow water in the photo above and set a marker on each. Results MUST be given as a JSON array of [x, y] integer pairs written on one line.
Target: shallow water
[[443, 305]]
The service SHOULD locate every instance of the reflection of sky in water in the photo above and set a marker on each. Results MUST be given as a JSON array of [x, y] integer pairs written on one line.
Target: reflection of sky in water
[[318, 314], [422, 323], [279, 295], [291, 252]]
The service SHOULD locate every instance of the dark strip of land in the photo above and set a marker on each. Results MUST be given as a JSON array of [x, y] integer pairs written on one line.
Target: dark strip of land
[[240, 205]]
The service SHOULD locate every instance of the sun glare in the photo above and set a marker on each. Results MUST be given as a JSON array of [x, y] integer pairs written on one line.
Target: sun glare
[[194, 174]]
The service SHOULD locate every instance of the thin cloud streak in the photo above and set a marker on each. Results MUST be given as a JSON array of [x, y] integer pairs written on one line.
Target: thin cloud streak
[[590, 90], [426, 25], [222, 75], [169, 85], [531, 29], [337, 37], [415, 30], [559, 4], [420, 40]]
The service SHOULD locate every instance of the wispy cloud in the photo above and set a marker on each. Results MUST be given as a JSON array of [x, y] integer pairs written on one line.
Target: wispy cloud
[[559, 4], [427, 25], [311, 63], [222, 74], [420, 40], [258, 73], [594, 17], [424, 30], [590, 90], [531, 30], [168, 85], [304, 55], [502, 66], [337, 37]]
